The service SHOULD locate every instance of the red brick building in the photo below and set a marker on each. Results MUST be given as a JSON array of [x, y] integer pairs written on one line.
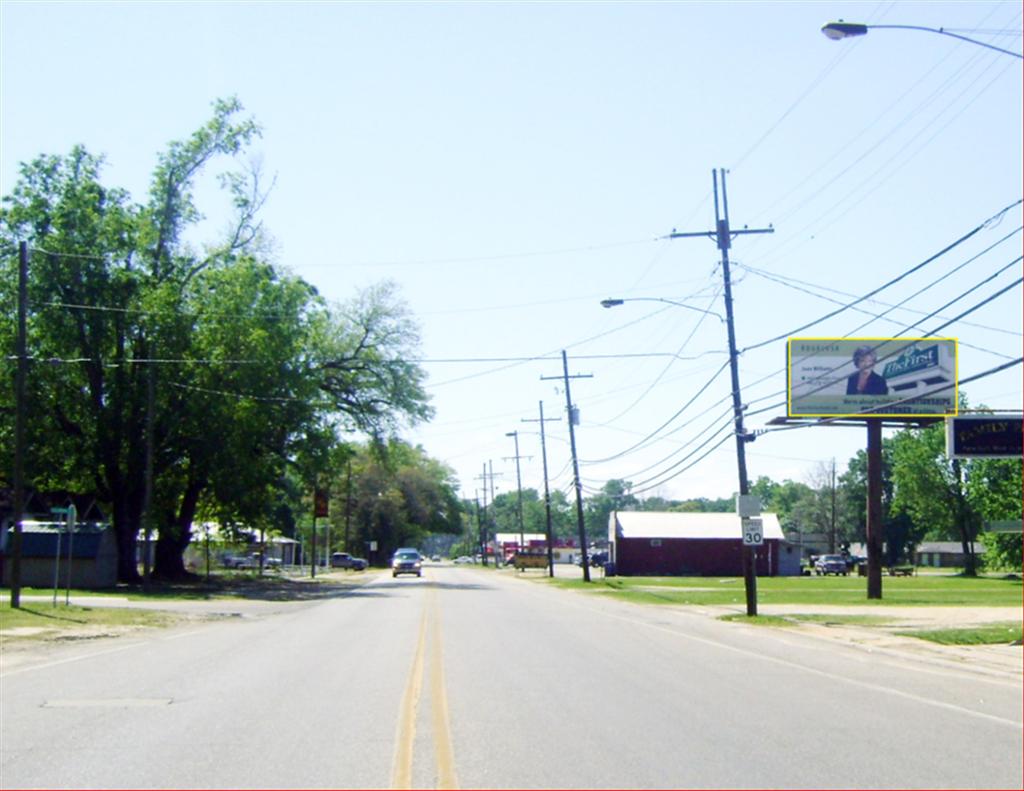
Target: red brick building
[[662, 543]]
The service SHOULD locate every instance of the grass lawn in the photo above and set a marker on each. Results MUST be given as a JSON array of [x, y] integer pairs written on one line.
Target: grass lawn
[[924, 590], [225, 584], [41, 621], [990, 634]]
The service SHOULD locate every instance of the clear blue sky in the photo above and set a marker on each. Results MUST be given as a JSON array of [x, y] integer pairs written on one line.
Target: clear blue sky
[[511, 164]]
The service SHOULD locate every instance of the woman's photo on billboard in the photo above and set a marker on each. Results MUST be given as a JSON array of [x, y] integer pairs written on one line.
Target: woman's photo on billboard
[[866, 381]]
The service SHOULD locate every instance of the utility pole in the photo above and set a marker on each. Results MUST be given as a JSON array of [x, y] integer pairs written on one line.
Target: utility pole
[[573, 419], [833, 498], [348, 502], [147, 508], [481, 520], [547, 493], [875, 529], [723, 237], [519, 491], [483, 536], [19, 425], [494, 517], [480, 527]]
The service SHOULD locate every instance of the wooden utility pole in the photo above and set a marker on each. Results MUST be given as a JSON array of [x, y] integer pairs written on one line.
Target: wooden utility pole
[[723, 237], [19, 425], [519, 491], [875, 527], [547, 493], [348, 502], [833, 500], [483, 534], [573, 419]]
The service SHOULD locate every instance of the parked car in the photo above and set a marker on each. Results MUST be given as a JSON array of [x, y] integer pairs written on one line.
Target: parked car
[[463, 559], [831, 564], [343, 560], [435, 558], [407, 561], [239, 562]]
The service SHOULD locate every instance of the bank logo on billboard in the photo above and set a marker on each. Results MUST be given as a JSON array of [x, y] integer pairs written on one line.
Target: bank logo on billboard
[[863, 377]]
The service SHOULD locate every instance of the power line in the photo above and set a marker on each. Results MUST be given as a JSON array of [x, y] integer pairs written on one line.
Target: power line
[[687, 468], [654, 433], [721, 427], [250, 396], [898, 278]]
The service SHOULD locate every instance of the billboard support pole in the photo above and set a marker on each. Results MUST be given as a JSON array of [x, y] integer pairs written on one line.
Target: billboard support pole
[[875, 528]]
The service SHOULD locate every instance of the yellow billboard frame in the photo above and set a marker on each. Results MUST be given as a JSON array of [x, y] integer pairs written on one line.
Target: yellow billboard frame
[[872, 413]]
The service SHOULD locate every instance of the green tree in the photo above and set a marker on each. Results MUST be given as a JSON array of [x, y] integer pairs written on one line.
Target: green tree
[[400, 497], [109, 276], [933, 489], [614, 496], [993, 491], [248, 325], [237, 376]]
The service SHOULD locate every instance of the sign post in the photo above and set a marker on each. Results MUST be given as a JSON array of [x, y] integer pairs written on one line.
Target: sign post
[[320, 509], [72, 518], [56, 556]]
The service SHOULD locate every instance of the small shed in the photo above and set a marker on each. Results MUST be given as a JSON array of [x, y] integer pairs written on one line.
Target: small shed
[[45, 547], [665, 543]]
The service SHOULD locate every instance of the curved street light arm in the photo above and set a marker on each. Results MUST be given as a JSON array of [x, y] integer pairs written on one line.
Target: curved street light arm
[[839, 30], [611, 303]]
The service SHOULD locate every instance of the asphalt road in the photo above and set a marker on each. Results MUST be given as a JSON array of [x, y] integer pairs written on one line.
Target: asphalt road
[[472, 679]]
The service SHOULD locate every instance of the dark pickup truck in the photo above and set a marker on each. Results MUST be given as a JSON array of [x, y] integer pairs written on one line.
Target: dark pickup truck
[[343, 560]]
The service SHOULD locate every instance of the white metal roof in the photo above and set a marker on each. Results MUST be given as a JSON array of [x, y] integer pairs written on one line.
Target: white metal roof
[[668, 524]]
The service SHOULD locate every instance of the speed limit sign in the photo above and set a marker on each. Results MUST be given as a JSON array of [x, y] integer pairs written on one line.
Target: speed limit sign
[[753, 532]]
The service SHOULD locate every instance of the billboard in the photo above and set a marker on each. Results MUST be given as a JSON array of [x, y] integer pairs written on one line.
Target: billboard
[[864, 377], [985, 437]]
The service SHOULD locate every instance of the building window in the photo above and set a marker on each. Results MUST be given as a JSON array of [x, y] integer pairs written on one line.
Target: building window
[[655, 542]]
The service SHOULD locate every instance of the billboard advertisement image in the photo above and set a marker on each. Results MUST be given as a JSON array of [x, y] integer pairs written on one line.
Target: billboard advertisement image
[[863, 377]]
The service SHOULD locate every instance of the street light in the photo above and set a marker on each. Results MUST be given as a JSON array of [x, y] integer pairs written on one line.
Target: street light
[[840, 30], [835, 31], [612, 303]]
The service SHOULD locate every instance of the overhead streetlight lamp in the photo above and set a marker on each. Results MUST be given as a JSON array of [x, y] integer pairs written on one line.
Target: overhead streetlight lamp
[[840, 30], [612, 303]]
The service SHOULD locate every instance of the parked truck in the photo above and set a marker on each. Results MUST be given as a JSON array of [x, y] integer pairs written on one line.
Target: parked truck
[[343, 560]]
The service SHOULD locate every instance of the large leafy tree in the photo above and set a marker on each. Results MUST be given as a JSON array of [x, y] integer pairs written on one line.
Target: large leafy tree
[[952, 498], [111, 276], [932, 489], [208, 368]]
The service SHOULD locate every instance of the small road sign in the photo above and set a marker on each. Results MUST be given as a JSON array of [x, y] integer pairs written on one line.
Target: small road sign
[[753, 532]]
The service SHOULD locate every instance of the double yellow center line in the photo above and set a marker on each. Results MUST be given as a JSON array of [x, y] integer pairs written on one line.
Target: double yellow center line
[[444, 758]]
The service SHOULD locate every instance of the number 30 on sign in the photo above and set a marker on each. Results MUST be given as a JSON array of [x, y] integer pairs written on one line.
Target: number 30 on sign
[[753, 532]]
